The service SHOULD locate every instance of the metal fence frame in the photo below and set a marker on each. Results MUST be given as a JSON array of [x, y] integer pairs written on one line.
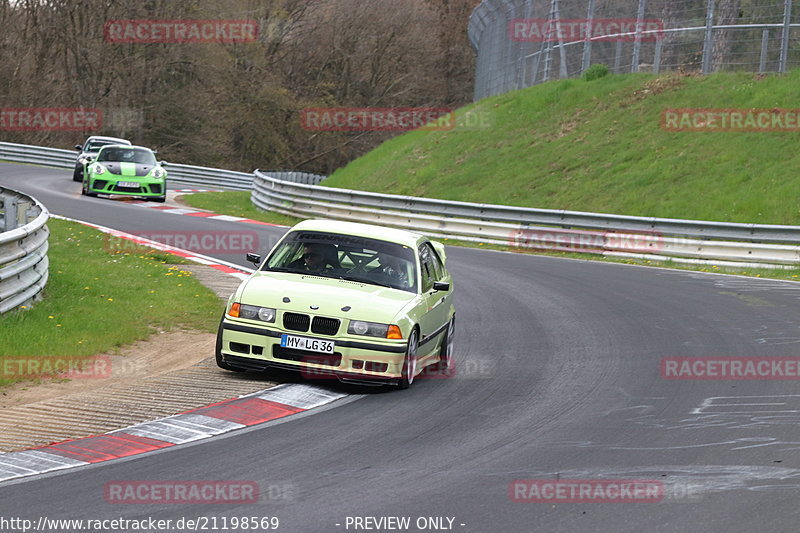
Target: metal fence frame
[[757, 245], [23, 249], [503, 65]]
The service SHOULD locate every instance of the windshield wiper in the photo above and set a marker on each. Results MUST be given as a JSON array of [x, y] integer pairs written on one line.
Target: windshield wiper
[[366, 281]]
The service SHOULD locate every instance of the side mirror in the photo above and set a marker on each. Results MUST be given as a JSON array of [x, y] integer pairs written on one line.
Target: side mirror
[[163, 163], [439, 286], [254, 258], [78, 147]]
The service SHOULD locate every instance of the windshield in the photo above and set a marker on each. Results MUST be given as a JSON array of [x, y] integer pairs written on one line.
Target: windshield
[[127, 155], [346, 257], [94, 146]]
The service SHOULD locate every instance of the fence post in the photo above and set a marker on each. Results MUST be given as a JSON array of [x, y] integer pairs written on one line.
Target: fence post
[[657, 58], [637, 43], [617, 57], [587, 45], [787, 19], [707, 41], [762, 64], [526, 46]]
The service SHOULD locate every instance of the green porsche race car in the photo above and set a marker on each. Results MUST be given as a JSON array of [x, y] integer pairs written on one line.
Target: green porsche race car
[[359, 303], [125, 170]]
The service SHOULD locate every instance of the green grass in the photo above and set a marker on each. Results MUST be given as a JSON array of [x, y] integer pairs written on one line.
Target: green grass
[[98, 299], [599, 146], [235, 204], [593, 146]]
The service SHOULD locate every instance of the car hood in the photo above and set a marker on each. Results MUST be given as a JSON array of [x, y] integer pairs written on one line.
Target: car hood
[[127, 169], [366, 302]]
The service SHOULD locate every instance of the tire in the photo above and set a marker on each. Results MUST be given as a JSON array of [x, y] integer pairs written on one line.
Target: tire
[[85, 190], [445, 365], [218, 351], [159, 199], [77, 175], [410, 361]]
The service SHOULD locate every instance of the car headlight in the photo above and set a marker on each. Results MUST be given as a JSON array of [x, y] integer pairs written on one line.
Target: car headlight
[[252, 312], [159, 173], [84, 160], [374, 329], [98, 169]]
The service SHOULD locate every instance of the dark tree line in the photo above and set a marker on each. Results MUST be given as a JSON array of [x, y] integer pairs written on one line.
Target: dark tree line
[[235, 105]]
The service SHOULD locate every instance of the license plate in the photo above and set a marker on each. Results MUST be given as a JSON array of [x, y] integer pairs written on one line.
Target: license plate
[[306, 343], [131, 184]]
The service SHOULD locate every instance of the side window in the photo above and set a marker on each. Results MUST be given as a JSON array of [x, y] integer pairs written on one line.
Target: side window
[[428, 271], [432, 269], [437, 263]]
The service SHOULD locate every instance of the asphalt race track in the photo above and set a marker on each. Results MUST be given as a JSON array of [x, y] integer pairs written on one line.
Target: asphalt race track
[[557, 377]]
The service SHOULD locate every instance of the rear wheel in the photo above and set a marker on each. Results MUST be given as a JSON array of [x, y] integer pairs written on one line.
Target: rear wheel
[[218, 351], [409, 362]]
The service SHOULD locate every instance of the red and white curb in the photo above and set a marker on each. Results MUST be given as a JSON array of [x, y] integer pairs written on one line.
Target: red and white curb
[[202, 423], [223, 266], [197, 213]]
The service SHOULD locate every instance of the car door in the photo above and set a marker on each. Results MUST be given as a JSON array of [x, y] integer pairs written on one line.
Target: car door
[[436, 302]]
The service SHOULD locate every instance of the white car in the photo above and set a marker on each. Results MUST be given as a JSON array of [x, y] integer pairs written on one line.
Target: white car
[[89, 150]]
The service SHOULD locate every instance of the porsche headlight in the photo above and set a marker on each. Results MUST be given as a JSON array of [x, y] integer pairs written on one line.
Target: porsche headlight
[[369, 329], [98, 169], [159, 173], [252, 312]]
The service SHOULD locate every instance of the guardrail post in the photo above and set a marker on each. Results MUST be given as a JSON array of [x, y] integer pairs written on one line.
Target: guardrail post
[[707, 41], [787, 19], [762, 64], [10, 218]]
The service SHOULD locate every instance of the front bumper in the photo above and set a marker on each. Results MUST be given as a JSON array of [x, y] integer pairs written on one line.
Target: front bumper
[[355, 359], [109, 184]]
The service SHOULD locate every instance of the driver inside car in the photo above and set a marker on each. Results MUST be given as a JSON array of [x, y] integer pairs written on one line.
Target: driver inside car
[[317, 257]]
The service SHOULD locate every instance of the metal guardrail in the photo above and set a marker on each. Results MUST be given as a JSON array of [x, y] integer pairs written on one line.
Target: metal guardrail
[[186, 175], [540, 229], [23, 249], [297, 194]]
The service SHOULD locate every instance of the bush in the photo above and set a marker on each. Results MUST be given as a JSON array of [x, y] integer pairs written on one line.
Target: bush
[[595, 72]]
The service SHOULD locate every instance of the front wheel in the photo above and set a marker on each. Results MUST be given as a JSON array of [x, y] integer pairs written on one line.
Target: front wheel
[[409, 362], [85, 190], [446, 363]]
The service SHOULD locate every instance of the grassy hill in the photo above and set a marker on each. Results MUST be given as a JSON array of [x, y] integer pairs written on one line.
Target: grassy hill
[[600, 146]]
